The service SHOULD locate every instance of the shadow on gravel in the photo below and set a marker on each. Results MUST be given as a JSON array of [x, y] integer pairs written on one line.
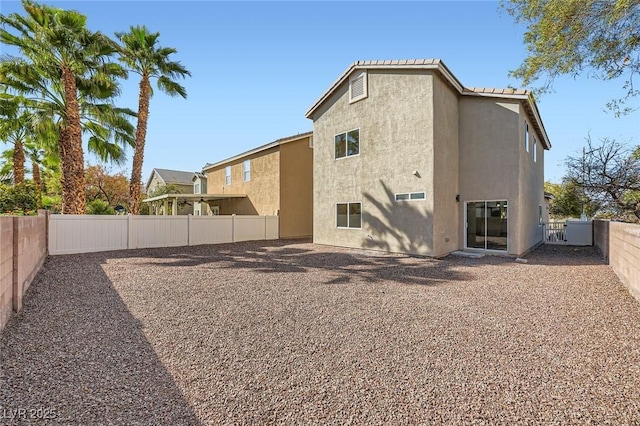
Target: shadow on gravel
[[76, 354], [294, 256], [558, 255]]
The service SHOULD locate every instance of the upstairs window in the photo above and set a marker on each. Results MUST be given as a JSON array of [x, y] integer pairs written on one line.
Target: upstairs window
[[535, 150], [409, 196], [227, 175], [196, 188], [358, 86], [526, 136], [347, 144], [246, 170]]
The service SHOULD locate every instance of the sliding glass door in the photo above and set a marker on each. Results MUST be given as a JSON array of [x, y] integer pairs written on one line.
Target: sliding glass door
[[487, 225]]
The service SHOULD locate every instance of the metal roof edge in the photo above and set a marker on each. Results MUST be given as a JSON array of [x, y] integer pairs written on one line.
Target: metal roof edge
[[264, 147]]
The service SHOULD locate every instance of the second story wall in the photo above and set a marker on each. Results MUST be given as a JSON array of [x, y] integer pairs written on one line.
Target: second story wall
[[490, 155], [262, 188], [395, 124]]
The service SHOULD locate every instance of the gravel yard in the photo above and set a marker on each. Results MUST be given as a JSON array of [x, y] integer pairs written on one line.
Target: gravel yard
[[288, 332]]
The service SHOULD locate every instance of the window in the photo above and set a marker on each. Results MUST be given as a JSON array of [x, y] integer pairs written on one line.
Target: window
[[246, 170], [347, 144], [526, 136], [535, 150], [358, 86], [196, 188], [539, 215], [349, 215], [227, 175], [408, 196]]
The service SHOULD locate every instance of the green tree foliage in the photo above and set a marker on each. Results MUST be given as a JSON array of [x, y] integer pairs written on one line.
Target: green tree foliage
[[66, 73], [168, 188], [571, 36], [568, 199], [609, 173], [99, 206], [18, 199]]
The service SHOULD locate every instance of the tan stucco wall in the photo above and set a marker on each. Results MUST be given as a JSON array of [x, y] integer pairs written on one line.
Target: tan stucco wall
[[489, 158], [262, 190], [396, 139], [494, 165], [296, 189], [531, 190], [446, 220]]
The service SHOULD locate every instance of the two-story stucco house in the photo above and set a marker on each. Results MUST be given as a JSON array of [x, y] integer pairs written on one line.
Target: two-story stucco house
[[273, 179], [407, 159]]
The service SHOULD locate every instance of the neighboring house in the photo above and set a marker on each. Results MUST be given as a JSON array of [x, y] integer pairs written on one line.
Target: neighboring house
[[407, 159], [183, 181], [273, 179], [200, 208]]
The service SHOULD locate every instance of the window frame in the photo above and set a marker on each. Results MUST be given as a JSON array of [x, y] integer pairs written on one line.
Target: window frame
[[227, 175], [196, 188], [526, 136], [535, 149], [365, 92], [346, 144], [348, 204], [246, 170], [410, 196]]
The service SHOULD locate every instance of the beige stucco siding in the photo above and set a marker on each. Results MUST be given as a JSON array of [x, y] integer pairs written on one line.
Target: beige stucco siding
[[396, 140], [490, 158], [531, 188], [296, 189], [262, 189], [445, 168]]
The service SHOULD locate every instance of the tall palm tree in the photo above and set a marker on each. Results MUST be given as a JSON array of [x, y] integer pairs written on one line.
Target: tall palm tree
[[142, 55], [63, 63], [15, 129]]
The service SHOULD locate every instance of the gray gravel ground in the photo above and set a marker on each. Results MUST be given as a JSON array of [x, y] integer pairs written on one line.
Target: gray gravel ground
[[288, 332]]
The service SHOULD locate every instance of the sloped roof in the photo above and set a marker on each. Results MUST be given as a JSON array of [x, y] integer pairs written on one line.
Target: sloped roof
[[524, 96], [177, 177], [269, 145]]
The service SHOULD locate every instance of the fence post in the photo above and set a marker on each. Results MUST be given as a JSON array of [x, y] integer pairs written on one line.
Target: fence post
[[129, 232], [233, 228], [189, 230]]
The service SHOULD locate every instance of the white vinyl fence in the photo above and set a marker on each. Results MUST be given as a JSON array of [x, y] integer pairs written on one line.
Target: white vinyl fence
[[571, 232], [69, 234]]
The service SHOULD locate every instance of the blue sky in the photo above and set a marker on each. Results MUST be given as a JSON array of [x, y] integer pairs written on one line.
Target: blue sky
[[258, 66]]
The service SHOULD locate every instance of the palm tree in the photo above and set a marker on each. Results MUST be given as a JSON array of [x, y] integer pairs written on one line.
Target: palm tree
[[15, 129], [65, 64], [141, 54]]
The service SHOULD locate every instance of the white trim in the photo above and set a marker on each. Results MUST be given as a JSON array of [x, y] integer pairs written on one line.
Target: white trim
[[346, 155], [535, 149], [335, 212]]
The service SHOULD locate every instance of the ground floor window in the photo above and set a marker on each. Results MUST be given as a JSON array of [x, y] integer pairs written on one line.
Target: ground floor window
[[349, 215]]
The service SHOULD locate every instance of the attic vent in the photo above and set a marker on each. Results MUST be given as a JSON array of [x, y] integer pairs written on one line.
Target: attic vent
[[358, 87]]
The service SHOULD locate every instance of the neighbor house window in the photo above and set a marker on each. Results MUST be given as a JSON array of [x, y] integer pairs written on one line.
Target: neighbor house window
[[358, 86], [526, 136], [409, 196], [535, 150], [347, 144], [539, 215], [246, 170], [227, 175], [349, 215], [196, 188]]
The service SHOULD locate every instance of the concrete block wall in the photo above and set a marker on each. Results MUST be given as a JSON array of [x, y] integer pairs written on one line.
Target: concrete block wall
[[6, 269], [624, 254], [23, 250], [601, 237]]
